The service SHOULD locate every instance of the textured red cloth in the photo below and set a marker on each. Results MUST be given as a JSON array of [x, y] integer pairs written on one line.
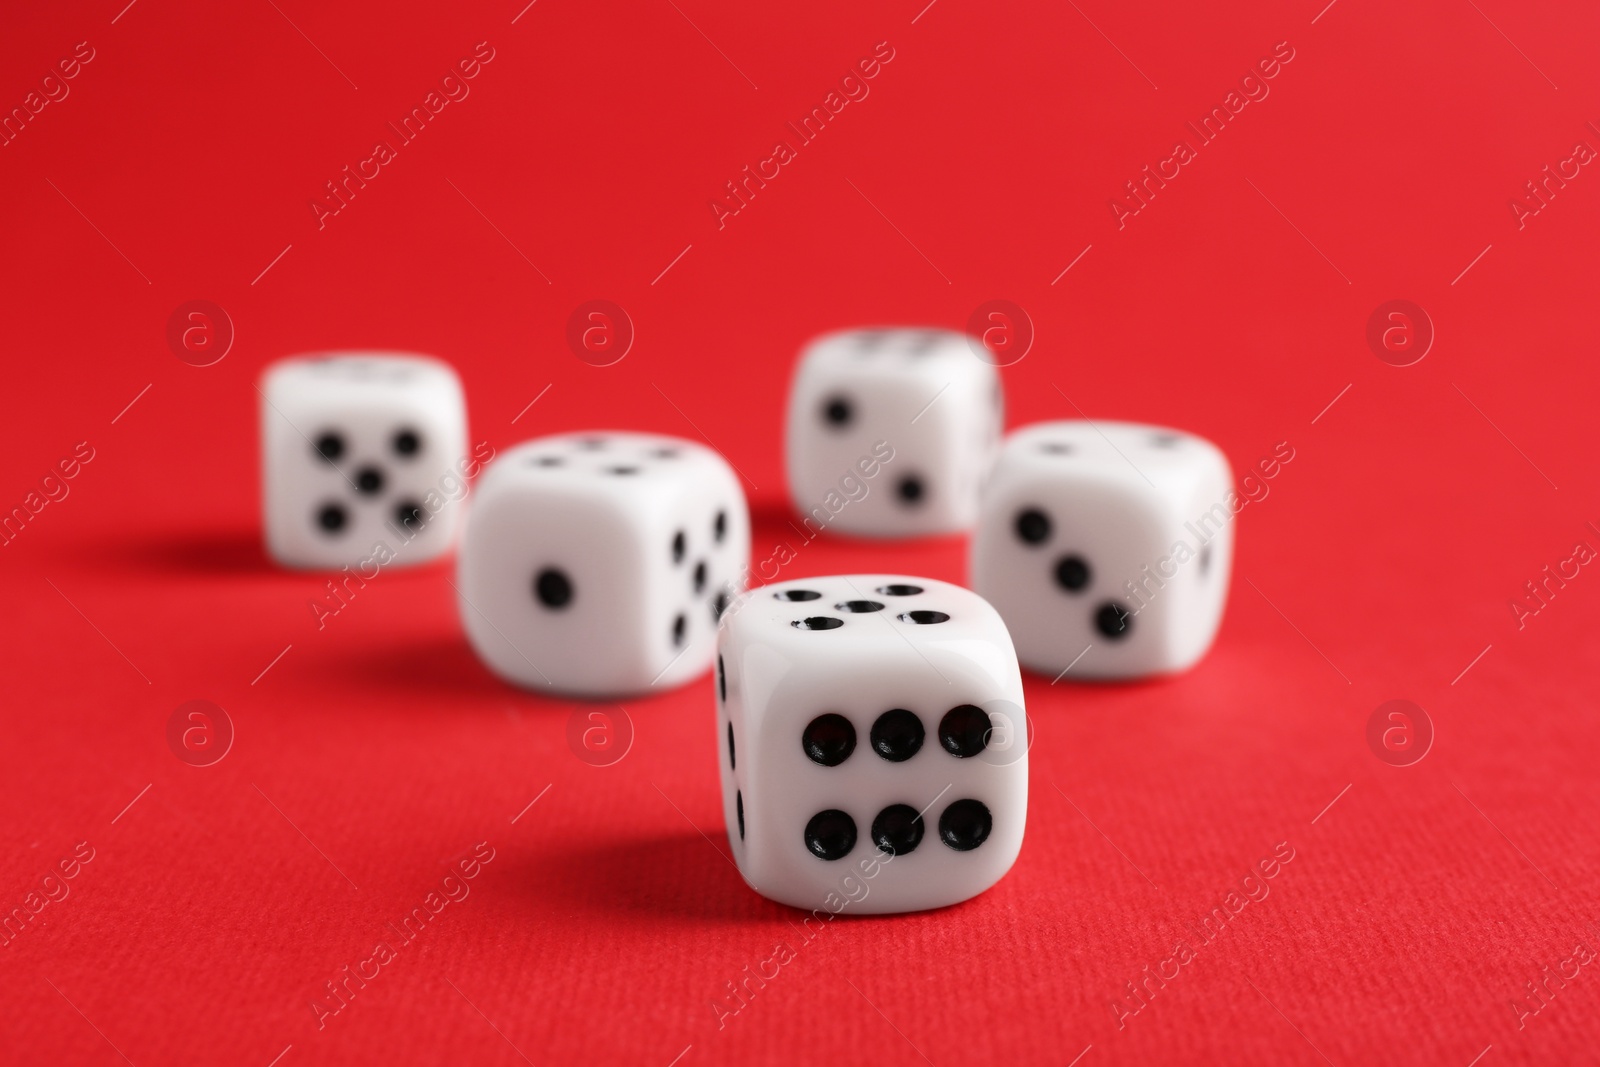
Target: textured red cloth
[[210, 908]]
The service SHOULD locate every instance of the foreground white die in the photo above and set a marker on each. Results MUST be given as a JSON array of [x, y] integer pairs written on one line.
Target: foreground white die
[[921, 402], [873, 742], [598, 563], [362, 457], [1106, 547]]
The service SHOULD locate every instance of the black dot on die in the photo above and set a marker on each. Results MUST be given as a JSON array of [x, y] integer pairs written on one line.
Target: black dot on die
[[622, 470], [818, 622], [738, 807], [592, 444], [719, 604], [680, 546], [1166, 440], [1113, 620], [553, 588], [410, 515], [1205, 561], [831, 834], [1072, 573], [828, 739], [897, 735], [1032, 526], [680, 629], [329, 446], [965, 825], [837, 412], [719, 527], [732, 765], [1055, 448], [858, 606], [910, 490], [925, 618], [332, 517], [899, 590], [964, 730], [664, 453], [722, 692], [897, 829], [550, 461], [797, 594], [700, 577], [369, 480], [406, 443]]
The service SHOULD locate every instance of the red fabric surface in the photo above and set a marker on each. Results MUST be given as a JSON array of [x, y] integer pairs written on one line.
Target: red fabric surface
[[376, 751]]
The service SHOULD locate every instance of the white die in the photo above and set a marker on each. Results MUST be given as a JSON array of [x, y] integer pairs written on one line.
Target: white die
[[923, 396], [598, 563], [362, 457], [863, 708], [1106, 547]]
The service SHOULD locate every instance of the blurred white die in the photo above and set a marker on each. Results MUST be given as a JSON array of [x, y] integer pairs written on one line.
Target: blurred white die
[[1106, 547], [598, 563], [873, 742], [363, 458], [920, 397]]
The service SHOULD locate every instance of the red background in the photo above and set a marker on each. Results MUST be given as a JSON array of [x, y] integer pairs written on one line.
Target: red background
[[1381, 564]]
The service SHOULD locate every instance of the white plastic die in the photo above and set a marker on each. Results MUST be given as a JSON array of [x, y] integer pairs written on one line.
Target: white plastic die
[[873, 742], [1106, 546], [363, 457], [598, 563], [923, 396]]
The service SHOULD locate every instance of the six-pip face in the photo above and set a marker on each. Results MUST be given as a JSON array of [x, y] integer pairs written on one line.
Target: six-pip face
[[871, 729]]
